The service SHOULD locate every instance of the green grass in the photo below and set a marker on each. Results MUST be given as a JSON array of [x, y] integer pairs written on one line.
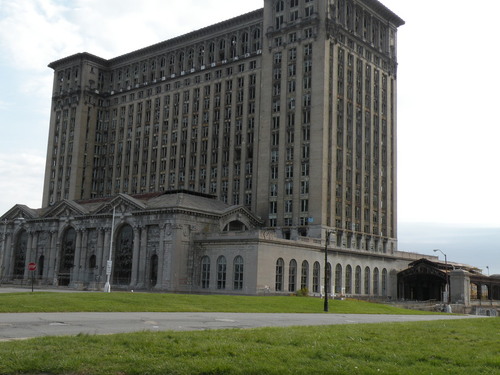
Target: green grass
[[440, 347], [151, 302]]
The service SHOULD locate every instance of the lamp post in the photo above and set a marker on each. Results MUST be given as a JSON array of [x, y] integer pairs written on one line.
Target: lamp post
[[447, 289], [327, 241], [109, 264]]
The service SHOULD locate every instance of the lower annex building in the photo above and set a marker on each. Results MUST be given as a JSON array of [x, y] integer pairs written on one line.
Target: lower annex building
[[225, 160]]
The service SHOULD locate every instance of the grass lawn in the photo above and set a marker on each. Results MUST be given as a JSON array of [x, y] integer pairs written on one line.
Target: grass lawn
[[156, 302], [440, 347]]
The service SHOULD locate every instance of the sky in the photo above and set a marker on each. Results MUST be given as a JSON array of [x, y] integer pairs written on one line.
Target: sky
[[448, 123]]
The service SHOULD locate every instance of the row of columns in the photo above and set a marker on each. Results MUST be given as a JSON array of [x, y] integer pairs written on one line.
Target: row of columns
[[51, 250]]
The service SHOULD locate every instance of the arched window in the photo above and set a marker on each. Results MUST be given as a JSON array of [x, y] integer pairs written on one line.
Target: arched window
[[384, 282], [357, 280], [238, 273], [348, 279], [190, 59], [280, 265], [222, 49], [316, 277], [122, 265], [181, 62], [221, 272], [244, 43], [256, 40], [367, 280], [292, 275], [20, 254], [67, 258], [201, 56], [211, 52], [153, 277], [171, 62], [205, 272], [304, 275], [375, 281], [338, 278], [233, 47]]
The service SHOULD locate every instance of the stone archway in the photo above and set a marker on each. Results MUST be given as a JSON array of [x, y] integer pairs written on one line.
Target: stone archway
[[20, 255], [67, 257], [122, 264]]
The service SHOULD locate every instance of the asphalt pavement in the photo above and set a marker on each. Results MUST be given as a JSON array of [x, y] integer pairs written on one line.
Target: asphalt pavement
[[27, 325], [15, 326]]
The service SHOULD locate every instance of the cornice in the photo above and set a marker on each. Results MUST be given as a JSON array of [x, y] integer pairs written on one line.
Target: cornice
[[224, 26], [388, 14], [77, 58]]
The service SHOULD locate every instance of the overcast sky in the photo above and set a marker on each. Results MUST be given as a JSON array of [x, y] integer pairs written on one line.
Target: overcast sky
[[449, 129]]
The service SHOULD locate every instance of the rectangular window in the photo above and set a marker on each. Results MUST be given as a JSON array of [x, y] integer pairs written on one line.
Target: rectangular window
[[273, 207], [304, 205], [221, 273], [238, 273], [273, 190], [205, 272]]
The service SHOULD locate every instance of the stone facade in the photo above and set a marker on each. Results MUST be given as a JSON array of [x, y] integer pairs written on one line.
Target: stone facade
[[286, 116], [289, 110], [181, 242]]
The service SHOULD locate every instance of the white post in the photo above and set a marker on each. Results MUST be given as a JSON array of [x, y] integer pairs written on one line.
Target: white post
[[109, 264]]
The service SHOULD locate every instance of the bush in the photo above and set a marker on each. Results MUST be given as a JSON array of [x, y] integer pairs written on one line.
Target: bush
[[303, 292]]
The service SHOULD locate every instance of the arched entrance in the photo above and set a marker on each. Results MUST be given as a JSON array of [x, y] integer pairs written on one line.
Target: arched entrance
[[122, 265], [20, 255], [67, 257]]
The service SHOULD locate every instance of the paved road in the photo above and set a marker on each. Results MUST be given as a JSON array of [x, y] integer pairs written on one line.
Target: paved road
[[27, 325]]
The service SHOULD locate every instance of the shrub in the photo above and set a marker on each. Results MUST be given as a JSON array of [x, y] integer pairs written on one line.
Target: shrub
[[303, 292]]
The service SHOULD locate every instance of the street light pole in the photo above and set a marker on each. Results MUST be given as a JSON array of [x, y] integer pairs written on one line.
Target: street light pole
[[447, 278], [109, 265], [327, 241]]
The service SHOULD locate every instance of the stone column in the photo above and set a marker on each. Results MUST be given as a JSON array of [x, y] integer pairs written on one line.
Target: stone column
[[82, 266], [159, 253], [28, 257], [9, 252], [105, 253], [52, 255], [99, 253], [76, 261], [460, 287], [57, 257], [142, 273], [166, 236], [135, 255], [5, 255]]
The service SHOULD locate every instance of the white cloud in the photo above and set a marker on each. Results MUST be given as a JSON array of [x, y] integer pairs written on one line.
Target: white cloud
[[21, 176], [34, 31]]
